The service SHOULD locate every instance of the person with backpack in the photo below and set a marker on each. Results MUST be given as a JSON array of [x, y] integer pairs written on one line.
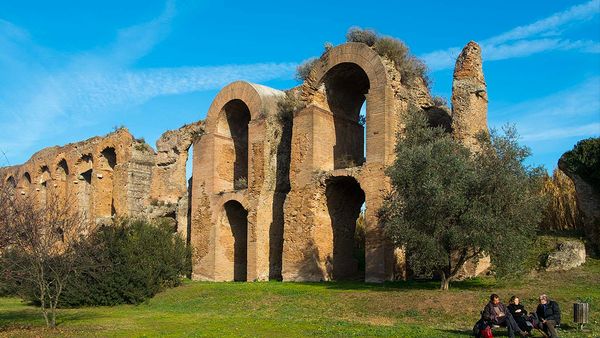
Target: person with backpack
[[497, 313]]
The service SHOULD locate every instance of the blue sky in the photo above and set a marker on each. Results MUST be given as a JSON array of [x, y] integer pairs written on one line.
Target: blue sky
[[70, 70]]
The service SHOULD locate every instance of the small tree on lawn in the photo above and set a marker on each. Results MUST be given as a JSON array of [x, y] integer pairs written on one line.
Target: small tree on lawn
[[37, 248], [450, 205]]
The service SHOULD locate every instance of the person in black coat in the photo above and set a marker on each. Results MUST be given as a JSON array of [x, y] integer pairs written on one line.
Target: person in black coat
[[498, 314], [549, 314], [517, 310]]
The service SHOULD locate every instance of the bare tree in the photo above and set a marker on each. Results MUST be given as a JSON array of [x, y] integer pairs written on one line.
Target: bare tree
[[37, 245]]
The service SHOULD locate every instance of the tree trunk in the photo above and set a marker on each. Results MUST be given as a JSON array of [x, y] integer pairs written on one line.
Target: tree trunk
[[53, 318], [445, 282]]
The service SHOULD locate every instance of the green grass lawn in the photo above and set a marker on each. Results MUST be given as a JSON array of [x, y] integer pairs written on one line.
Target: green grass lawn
[[404, 309]]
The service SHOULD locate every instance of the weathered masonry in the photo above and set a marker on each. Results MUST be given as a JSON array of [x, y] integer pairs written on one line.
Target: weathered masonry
[[275, 194]]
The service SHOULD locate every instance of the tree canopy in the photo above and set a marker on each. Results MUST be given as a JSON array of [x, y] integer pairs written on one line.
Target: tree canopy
[[450, 204]]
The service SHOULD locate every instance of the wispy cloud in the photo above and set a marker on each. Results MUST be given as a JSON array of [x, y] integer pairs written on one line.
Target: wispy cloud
[[574, 112], [540, 36], [587, 130], [45, 100]]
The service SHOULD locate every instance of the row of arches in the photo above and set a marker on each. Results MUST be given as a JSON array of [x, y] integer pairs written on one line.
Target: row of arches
[[73, 181]]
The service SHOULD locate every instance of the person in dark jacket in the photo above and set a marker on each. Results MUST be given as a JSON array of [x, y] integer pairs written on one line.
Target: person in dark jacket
[[497, 313], [549, 314], [517, 310]]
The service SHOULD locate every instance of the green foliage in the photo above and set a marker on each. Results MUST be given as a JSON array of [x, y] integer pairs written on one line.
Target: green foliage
[[366, 36], [584, 160], [132, 261], [409, 66], [304, 69], [287, 105], [450, 205]]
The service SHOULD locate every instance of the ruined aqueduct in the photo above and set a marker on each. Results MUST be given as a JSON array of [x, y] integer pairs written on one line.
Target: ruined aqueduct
[[271, 197]]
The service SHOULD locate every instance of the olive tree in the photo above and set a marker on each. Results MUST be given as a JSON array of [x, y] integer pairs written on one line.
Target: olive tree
[[450, 204]]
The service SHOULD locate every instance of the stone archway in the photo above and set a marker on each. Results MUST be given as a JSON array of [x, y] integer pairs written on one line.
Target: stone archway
[[344, 201], [236, 241], [105, 203], [346, 86], [232, 153]]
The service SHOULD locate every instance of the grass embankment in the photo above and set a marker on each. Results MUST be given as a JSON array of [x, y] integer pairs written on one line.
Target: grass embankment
[[405, 309]]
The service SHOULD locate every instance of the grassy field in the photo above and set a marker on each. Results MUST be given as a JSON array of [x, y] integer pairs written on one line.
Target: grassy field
[[405, 309]]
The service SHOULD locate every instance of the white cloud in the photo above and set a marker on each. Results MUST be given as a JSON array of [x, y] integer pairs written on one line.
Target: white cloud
[[540, 36], [46, 100]]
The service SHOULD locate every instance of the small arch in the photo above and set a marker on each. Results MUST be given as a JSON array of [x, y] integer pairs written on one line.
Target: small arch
[[237, 218], [84, 170], [25, 181], [105, 185], [12, 183], [44, 177], [62, 170]]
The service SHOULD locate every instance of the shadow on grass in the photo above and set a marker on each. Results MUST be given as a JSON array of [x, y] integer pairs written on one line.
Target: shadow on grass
[[469, 284], [469, 333], [33, 317]]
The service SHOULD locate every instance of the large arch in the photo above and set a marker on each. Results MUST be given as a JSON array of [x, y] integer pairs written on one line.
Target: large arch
[[232, 156], [223, 155], [350, 74]]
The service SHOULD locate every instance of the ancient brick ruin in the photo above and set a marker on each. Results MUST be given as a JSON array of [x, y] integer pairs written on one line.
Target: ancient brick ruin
[[272, 196]]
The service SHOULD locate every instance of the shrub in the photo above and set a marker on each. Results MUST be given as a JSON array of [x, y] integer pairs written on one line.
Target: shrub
[[303, 70], [366, 36], [562, 212], [440, 101], [408, 65], [287, 105], [584, 161], [132, 261], [240, 183]]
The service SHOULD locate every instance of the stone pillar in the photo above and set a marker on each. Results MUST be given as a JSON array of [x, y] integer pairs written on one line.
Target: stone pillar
[[469, 96]]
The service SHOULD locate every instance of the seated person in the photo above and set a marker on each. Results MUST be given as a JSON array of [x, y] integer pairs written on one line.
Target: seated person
[[517, 310], [548, 313], [497, 313]]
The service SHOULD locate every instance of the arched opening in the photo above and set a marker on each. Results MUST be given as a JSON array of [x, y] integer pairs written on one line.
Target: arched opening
[[346, 86], [106, 165], [12, 183], [232, 155], [84, 182], [184, 222], [62, 174], [237, 218], [25, 182], [345, 200], [43, 189]]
